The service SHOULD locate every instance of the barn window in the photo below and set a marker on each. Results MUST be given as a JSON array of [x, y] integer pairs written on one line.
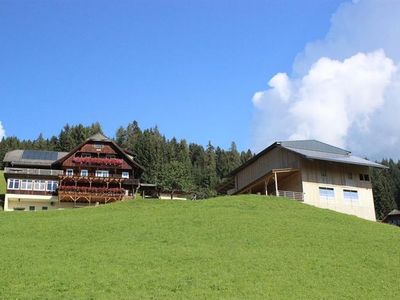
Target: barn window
[[326, 193], [350, 195]]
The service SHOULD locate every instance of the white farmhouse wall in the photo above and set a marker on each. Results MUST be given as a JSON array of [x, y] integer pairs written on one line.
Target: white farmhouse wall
[[337, 177], [363, 207], [12, 201]]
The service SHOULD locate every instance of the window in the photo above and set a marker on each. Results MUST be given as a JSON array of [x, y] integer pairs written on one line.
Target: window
[[44, 207], [39, 185], [349, 179], [110, 156], [324, 175], [101, 173], [84, 173], [13, 184], [26, 185], [52, 186], [98, 146], [350, 195], [364, 177], [69, 172], [326, 193], [125, 174], [86, 155], [31, 208]]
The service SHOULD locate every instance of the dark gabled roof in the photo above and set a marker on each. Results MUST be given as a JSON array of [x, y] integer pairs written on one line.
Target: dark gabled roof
[[313, 145], [394, 212], [312, 149], [99, 137], [33, 157]]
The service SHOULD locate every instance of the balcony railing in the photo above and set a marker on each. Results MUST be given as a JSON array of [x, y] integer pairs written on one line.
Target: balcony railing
[[98, 161], [299, 196], [31, 192], [28, 171], [86, 194], [110, 178], [92, 190]]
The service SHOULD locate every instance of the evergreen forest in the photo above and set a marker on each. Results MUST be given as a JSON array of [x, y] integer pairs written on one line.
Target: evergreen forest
[[175, 164]]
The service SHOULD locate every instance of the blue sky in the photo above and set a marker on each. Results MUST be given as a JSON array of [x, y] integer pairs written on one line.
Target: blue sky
[[190, 67]]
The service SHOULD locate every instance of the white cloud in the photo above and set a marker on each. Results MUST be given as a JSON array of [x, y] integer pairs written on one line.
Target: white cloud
[[2, 131], [345, 89]]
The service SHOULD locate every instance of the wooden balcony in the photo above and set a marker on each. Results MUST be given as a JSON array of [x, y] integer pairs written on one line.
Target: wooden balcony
[[31, 192], [90, 195], [112, 178], [97, 161]]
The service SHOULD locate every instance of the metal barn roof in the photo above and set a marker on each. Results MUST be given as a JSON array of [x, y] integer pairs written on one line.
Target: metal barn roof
[[313, 149]]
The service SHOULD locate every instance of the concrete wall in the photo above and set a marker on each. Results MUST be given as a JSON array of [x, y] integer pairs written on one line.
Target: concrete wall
[[337, 177], [13, 201]]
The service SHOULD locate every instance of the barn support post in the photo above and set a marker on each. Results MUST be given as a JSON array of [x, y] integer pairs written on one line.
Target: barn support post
[[266, 187], [276, 184]]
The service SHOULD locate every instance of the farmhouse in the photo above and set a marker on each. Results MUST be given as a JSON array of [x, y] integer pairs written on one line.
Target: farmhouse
[[96, 171], [310, 171]]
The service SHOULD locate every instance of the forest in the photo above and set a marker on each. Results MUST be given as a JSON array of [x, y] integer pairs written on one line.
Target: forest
[[175, 164], [170, 163]]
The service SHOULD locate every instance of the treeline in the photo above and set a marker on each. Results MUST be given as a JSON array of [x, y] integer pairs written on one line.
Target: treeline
[[177, 165], [172, 164], [386, 188]]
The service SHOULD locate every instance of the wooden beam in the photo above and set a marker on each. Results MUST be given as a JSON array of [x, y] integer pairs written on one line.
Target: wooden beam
[[276, 183]]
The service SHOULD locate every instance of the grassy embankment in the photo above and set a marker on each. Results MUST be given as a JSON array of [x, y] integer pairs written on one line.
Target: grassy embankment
[[2, 183], [232, 247]]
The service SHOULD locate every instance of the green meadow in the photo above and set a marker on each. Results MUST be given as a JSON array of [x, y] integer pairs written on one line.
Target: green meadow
[[2, 183], [242, 247]]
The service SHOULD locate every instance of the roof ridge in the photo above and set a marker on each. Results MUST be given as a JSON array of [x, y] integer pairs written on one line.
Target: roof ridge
[[98, 136], [301, 144]]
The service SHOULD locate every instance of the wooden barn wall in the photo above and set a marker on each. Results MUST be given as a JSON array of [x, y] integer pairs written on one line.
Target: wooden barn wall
[[277, 158], [336, 173]]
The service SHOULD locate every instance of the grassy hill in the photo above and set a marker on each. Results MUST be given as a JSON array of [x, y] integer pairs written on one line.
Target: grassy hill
[[231, 247], [2, 183]]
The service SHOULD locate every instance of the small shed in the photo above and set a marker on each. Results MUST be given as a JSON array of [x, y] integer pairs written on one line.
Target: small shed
[[393, 217]]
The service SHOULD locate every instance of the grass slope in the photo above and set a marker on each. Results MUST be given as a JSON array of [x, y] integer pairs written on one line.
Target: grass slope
[[231, 247], [2, 183]]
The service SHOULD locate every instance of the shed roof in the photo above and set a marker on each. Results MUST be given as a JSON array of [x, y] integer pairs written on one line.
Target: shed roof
[[394, 212]]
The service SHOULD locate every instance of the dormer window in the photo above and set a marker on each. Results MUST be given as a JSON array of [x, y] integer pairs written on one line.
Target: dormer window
[[125, 174], [98, 146], [84, 173], [69, 172]]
